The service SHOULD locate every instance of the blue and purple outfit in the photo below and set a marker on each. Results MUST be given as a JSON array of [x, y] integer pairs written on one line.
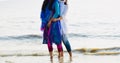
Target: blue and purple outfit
[[52, 34], [55, 34], [45, 17]]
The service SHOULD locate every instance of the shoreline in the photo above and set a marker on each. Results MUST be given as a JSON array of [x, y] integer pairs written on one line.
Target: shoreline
[[38, 52], [77, 58]]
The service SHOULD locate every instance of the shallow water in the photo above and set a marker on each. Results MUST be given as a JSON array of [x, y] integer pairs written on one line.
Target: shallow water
[[77, 58], [91, 24]]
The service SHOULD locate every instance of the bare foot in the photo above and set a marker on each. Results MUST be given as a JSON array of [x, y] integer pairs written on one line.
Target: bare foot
[[70, 53], [51, 58], [61, 60], [70, 58]]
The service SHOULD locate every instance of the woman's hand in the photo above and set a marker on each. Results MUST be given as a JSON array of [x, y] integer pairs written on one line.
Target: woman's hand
[[54, 20], [60, 18], [48, 25], [57, 19]]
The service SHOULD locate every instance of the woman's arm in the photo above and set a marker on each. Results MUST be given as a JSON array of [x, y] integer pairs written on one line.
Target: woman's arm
[[49, 23], [57, 19], [63, 11], [57, 10]]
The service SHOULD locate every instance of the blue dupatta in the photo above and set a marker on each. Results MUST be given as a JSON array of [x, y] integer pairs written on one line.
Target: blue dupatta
[[45, 17]]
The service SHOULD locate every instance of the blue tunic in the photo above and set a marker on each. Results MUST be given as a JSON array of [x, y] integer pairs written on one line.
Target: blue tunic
[[55, 34]]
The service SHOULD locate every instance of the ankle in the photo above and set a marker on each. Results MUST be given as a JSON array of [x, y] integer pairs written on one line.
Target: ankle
[[60, 54], [51, 58], [70, 53]]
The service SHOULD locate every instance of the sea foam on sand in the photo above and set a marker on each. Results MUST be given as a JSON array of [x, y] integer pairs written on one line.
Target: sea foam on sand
[[77, 58]]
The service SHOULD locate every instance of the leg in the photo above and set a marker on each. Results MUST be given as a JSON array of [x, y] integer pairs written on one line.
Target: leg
[[50, 48], [60, 51], [67, 45]]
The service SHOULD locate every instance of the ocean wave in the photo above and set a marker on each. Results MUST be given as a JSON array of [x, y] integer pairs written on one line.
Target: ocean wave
[[21, 37], [77, 35], [84, 51], [70, 35], [93, 36], [99, 51], [22, 54]]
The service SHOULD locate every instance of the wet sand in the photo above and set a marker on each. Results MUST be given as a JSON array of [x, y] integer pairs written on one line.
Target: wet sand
[[77, 58]]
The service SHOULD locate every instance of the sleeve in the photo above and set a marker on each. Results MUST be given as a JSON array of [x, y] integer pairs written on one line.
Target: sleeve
[[64, 10], [57, 10]]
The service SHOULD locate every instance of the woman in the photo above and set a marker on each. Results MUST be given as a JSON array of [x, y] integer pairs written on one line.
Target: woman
[[63, 11], [52, 30]]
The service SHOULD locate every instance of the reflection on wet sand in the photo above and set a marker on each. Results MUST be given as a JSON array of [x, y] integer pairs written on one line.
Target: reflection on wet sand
[[61, 60]]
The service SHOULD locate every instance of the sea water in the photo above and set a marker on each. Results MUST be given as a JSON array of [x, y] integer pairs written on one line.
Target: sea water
[[90, 24]]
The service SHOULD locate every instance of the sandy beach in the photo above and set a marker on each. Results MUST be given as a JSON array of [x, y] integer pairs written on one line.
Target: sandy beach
[[36, 53], [77, 58]]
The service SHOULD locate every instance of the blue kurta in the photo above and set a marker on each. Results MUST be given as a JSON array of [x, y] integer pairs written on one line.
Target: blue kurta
[[55, 34]]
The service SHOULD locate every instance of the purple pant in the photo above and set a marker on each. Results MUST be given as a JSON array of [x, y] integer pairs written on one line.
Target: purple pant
[[50, 47]]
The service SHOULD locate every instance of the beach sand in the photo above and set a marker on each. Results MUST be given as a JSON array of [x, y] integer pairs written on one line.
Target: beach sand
[[38, 53], [77, 58]]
